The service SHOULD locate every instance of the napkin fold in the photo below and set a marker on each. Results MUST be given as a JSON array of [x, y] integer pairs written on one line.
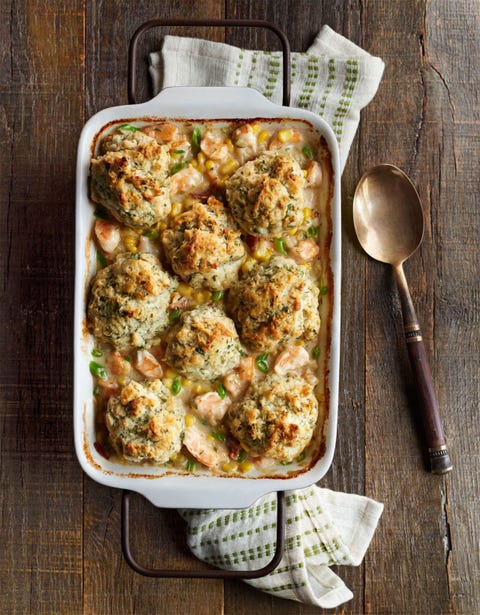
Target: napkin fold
[[335, 79], [323, 528]]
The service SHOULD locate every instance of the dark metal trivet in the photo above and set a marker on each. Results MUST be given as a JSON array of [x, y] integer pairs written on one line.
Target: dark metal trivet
[[213, 573]]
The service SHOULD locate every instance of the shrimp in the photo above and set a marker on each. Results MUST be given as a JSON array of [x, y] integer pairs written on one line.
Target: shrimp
[[164, 133], [188, 180], [291, 359], [211, 407], [206, 450], [305, 251], [238, 379], [118, 364], [107, 234], [214, 146], [148, 365], [314, 174]]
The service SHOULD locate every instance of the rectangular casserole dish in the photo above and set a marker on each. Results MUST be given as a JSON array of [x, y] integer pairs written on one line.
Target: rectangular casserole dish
[[162, 486]]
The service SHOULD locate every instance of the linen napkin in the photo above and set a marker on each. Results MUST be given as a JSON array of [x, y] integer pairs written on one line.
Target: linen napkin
[[335, 79], [323, 528]]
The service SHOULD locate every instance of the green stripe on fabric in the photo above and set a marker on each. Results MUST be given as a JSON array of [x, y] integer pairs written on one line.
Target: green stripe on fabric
[[345, 100], [328, 87], [310, 82], [273, 72], [239, 66], [253, 68]]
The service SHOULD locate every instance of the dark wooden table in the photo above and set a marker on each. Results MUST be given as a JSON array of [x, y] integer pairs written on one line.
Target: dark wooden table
[[60, 62]]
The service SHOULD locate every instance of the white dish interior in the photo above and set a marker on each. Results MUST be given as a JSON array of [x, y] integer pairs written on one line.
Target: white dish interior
[[162, 488]]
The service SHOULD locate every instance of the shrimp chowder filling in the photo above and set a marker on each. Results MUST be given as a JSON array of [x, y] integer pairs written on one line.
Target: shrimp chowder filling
[[211, 303]]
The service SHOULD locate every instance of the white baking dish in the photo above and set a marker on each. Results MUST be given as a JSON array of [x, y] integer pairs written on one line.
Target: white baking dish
[[163, 487]]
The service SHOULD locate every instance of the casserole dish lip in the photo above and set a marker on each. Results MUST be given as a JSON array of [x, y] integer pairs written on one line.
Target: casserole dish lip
[[186, 491]]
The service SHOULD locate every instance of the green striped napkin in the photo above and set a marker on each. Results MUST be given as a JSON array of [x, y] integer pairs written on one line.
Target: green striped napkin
[[335, 78], [323, 528]]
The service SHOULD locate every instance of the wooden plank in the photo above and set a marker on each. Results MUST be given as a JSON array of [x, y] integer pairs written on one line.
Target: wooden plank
[[110, 585], [41, 510], [425, 83]]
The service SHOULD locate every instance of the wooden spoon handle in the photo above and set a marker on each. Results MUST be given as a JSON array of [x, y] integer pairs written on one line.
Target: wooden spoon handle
[[440, 462]]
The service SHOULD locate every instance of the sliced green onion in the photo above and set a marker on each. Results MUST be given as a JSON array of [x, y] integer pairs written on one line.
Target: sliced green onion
[[203, 421], [262, 362], [190, 465], [153, 234], [217, 295], [178, 167], [307, 150], [316, 352], [101, 260], [128, 359], [98, 370], [174, 315], [222, 391], [218, 436], [96, 352], [281, 245], [242, 456], [312, 231], [179, 151], [323, 290], [176, 386], [196, 138], [302, 456], [285, 463], [129, 127]]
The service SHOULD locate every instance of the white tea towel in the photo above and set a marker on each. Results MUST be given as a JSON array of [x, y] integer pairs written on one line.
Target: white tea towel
[[335, 78], [323, 528]]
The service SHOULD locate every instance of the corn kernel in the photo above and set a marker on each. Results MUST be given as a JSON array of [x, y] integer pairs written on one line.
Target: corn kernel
[[209, 166], [199, 388], [170, 373], [229, 167], [263, 252], [246, 466], [195, 164], [229, 145], [292, 231], [307, 213], [185, 290], [188, 201], [285, 135], [189, 420], [256, 128], [210, 438], [304, 172], [176, 209], [263, 136], [201, 158], [248, 264], [186, 382], [202, 296], [162, 226], [122, 381], [229, 466], [167, 382], [130, 240]]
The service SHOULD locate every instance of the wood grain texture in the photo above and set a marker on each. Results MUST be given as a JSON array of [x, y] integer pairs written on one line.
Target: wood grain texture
[[60, 62], [41, 567]]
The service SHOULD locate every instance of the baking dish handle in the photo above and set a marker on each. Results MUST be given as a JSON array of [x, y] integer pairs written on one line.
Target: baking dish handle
[[245, 23], [212, 573]]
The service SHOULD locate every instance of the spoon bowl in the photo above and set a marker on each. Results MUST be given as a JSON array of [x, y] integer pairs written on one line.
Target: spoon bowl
[[388, 221], [388, 215]]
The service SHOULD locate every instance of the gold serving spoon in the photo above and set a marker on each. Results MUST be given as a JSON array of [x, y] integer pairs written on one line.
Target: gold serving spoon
[[388, 220]]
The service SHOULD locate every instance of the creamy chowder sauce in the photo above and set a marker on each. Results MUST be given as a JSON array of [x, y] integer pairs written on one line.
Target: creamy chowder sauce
[[211, 304]]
